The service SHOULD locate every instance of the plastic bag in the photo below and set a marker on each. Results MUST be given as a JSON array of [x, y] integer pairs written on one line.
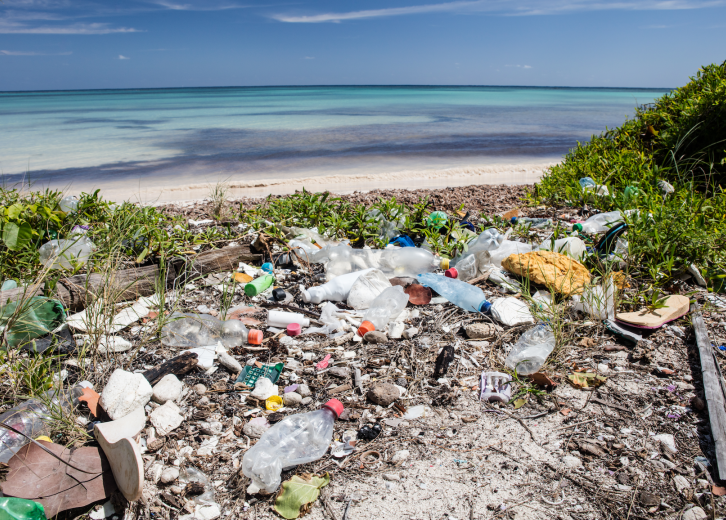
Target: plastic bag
[[36, 317]]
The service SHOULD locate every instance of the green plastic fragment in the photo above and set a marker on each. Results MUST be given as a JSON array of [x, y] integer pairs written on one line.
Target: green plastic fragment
[[31, 319], [20, 509], [250, 374]]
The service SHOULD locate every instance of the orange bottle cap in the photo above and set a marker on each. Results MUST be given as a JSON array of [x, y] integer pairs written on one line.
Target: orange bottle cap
[[366, 326], [254, 337]]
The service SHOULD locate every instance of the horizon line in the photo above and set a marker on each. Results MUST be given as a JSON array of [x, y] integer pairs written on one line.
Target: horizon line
[[403, 85]]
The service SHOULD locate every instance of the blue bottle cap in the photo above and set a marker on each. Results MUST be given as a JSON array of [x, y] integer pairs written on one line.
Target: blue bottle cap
[[267, 267], [485, 306]]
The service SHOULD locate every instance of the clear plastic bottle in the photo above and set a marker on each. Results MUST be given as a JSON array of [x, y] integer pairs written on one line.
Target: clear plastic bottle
[[534, 223], [469, 297], [488, 240], [297, 439], [201, 330], [531, 350], [599, 223], [395, 261], [573, 247], [505, 249], [383, 309], [466, 269], [409, 261], [69, 204], [336, 290], [66, 252]]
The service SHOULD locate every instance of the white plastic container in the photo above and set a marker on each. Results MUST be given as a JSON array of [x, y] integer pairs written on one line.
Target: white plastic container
[[383, 309], [531, 350], [336, 290], [282, 319], [297, 439], [573, 247], [511, 312], [466, 269]]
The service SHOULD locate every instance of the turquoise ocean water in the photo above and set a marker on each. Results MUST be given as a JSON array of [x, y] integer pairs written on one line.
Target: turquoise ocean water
[[193, 134]]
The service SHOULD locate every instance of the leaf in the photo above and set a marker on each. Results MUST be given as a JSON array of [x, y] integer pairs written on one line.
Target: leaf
[[17, 236], [519, 403], [299, 491], [586, 379], [14, 211]]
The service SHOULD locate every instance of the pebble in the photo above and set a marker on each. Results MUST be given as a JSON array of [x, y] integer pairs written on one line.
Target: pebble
[[264, 388], [169, 475], [306, 401], [229, 362], [400, 456], [292, 399], [695, 513], [255, 428], [200, 389], [343, 372], [681, 483], [168, 389], [572, 462], [304, 390], [166, 418], [410, 333], [384, 393], [480, 330], [124, 393], [391, 476], [375, 336]]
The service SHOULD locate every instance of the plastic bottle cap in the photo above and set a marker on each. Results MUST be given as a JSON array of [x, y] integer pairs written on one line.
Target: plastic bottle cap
[[336, 406], [513, 220], [294, 329], [267, 267], [485, 306], [451, 273], [444, 263], [366, 326], [577, 227], [254, 337], [279, 294]]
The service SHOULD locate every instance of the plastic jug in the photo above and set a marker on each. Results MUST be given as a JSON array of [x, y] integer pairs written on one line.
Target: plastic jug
[[488, 240], [469, 297], [297, 439], [383, 309], [336, 290], [366, 288], [531, 350], [599, 223]]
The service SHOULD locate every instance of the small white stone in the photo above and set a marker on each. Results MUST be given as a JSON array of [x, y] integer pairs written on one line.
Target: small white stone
[[229, 362], [396, 329], [124, 393], [410, 333], [168, 389], [571, 461], [681, 483], [292, 399], [695, 513], [169, 475], [264, 388], [166, 418], [400, 456], [304, 390]]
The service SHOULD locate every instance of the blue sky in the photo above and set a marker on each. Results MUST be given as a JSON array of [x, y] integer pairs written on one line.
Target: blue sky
[[79, 44]]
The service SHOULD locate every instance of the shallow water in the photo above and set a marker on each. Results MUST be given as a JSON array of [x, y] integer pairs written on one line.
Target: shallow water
[[242, 134]]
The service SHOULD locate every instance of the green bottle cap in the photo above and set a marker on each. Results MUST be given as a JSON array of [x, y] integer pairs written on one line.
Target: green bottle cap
[[577, 227]]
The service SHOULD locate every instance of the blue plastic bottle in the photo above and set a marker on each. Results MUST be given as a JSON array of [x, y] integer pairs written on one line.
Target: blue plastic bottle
[[468, 297]]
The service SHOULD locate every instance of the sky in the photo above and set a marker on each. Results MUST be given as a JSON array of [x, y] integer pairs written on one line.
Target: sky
[[81, 44]]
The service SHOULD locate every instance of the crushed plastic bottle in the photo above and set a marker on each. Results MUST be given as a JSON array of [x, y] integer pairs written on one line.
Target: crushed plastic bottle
[[505, 249], [488, 240], [599, 223], [468, 297], [336, 290], [366, 288], [387, 229], [466, 269], [404, 261], [282, 319], [69, 204], [534, 223], [66, 253], [201, 330], [589, 187], [297, 439], [531, 350], [384, 308], [573, 247]]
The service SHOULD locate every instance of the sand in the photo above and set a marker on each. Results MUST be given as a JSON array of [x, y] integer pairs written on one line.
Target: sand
[[520, 173]]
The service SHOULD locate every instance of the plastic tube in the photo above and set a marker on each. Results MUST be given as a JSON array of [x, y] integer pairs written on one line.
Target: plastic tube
[[282, 319]]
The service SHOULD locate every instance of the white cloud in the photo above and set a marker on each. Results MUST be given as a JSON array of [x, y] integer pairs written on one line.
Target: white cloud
[[198, 6], [505, 7], [309, 58], [519, 66], [14, 27], [32, 53], [122, 57]]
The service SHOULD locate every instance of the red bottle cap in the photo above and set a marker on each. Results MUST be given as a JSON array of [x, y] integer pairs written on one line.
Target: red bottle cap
[[451, 273], [293, 329], [366, 326], [254, 337], [336, 406]]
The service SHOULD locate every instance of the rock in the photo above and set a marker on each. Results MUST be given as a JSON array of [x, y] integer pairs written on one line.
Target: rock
[[303, 390], [681, 483], [384, 393], [113, 344], [204, 512], [211, 428], [667, 440], [571, 461], [154, 473], [168, 389], [698, 404], [396, 329], [340, 372], [555, 271], [177, 490], [695, 513], [124, 393], [256, 427], [400, 456], [264, 388], [200, 389], [391, 476], [410, 333], [170, 475], [481, 330], [229, 362], [292, 399], [166, 418], [375, 336], [603, 368], [306, 401]]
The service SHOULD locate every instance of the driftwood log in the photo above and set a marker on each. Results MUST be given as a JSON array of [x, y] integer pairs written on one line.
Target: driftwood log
[[75, 292]]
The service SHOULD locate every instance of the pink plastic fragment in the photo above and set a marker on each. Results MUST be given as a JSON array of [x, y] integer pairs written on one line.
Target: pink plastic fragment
[[323, 364], [291, 388], [496, 386]]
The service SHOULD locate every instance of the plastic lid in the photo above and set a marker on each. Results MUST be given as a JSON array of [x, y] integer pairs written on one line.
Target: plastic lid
[[577, 227], [444, 263], [267, 267], [279, 294], [451, 273], [513, 220], [294, 329], [336, 406], [485, 306], [254, 337], [366, 326]]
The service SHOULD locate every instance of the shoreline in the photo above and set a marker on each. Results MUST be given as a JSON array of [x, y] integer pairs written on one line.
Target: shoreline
[[498, 174]]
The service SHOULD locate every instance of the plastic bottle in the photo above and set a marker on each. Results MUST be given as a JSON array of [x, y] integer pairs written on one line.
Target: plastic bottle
[[599, 223], [20, 509], [283, 319], [573, 247], [534, 223], [383, 309], [297, 439], [466, 269], [404, 261], [68, 204], [469, 297], [201, 330], [66, 252], [531, 350], [336, 290], [488, 240], [259, 285], [506, 248]]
